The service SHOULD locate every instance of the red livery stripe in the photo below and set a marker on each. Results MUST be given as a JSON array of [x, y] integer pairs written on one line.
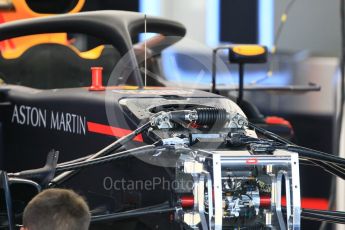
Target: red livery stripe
[[111, 131]]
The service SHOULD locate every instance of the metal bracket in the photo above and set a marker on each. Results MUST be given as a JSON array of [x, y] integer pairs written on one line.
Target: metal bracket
[[4, 183]]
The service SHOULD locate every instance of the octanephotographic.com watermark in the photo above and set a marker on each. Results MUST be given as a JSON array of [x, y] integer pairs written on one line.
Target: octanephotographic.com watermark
[[161, 183]]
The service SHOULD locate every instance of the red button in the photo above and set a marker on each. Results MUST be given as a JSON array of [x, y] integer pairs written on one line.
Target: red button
[[97, 79]]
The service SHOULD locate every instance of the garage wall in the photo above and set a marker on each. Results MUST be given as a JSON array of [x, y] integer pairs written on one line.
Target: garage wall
[[312, 24], [190, 13]]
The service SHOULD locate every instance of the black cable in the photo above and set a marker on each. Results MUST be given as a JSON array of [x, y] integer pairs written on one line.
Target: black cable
[[305, 152], [331, 200], [85, 158], [314, 154], [75, 160], [337, 170], [336, 217], [269, 134], [106, 159], [327, 216], [121, 141], [339, 214], [131, 214], [330, 163], [108, 149], [313, 218], [330, 168]]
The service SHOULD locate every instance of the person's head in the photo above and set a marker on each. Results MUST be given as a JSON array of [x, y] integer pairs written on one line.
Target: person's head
[[56, 209]]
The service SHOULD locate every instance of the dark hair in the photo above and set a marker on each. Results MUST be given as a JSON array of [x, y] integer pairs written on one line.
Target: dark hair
[[57, 209]]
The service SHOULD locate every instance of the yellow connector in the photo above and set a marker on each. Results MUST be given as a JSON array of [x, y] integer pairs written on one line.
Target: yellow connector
[[249, 50]]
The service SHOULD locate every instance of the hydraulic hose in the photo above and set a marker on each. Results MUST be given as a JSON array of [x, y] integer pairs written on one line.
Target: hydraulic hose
[[330, 163], [106, 159], [269, 134], [324, 216], [132, 214], [314, 155], [108, 149]]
